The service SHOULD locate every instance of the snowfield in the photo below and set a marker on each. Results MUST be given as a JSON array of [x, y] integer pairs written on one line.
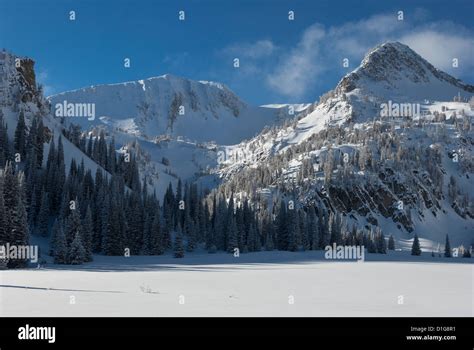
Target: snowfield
[[259, 284]]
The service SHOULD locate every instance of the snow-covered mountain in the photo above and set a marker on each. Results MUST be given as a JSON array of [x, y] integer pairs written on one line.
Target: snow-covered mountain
[[389, 72], [396, 172], [407, 159], [175, 122], [199, 111]]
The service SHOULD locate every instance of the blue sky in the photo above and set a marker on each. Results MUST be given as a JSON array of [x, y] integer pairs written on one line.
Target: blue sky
[[280, 60]]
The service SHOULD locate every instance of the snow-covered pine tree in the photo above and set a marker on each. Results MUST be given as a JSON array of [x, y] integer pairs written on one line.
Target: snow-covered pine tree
[[59, 176], [5, 148], [73, 223], [77, 254], [19, 222], [19, 142]]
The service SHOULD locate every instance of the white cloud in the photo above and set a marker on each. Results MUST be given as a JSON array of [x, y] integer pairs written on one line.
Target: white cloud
[[300, 66], [440, 49]]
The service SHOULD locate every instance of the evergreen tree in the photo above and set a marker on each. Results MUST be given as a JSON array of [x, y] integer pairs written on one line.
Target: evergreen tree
[[391, 243], [232, 240], [178, 244], [447, 248], [43, 215], [466, 253], [19, 142], [73, 224], [293, 230], [253, 243], [371, 246], [156, 244], [313, 228], [269, 234], [304, 231], [190, 229], [220, 225], [87, 233], [135, 212], [201, 221], [4, 234], [282, 227], [324, 229], [334, 228], [77, 254], [54, 235], [39, 142], [5, 151], [178, 211], [19, 222], [209, 236], [60, 245], [415, 248], [111, 158], [380, 242]]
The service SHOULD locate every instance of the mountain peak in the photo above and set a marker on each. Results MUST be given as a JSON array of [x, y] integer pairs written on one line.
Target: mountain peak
[[390, 60], [396, 67]]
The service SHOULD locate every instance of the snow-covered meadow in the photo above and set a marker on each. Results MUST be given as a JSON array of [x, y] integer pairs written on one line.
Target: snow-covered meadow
[[254, 284]]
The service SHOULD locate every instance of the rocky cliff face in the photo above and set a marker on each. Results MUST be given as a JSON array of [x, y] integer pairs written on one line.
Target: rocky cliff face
[[18, 84]]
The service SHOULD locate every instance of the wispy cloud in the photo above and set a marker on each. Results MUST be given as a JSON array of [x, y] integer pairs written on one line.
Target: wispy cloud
[[42, 78], [441, 48], [255, 50], [300, 66], [174, 61]]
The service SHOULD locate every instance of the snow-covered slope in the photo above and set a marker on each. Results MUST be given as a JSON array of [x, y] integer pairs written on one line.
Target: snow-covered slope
[[168, 105], [173, 118]]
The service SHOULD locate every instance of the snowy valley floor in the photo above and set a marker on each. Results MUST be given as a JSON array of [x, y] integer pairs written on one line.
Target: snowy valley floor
[[256, 284]]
